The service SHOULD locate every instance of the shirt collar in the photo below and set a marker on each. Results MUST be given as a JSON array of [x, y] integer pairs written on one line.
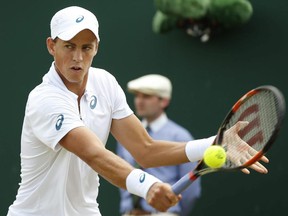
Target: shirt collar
[[157, 123]]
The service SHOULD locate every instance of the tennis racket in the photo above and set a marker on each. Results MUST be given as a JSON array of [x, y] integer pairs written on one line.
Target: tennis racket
[[263, 110]]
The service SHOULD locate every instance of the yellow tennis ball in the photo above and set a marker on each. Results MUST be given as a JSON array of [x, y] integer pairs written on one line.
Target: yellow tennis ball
[[214, 156]]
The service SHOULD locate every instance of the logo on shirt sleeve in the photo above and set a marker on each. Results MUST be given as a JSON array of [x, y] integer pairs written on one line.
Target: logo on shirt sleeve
[[59, 122]]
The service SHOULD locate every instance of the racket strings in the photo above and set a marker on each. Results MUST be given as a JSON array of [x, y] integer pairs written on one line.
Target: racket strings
[[257, 117]]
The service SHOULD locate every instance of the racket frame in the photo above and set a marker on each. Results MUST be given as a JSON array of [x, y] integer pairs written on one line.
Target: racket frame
[[199, 170]]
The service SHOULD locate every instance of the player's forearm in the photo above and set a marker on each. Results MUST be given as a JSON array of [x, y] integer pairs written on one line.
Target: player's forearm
[[164, 153], [121, 174], [86, 145], [111, 167], [161, 153]]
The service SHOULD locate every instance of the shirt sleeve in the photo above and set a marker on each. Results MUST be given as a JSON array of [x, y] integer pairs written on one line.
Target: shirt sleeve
[[51, 116], [121, 108]]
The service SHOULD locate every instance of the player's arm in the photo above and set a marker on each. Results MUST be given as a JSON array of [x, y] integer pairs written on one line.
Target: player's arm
[[86, 145], [146, 151], [151, 153]]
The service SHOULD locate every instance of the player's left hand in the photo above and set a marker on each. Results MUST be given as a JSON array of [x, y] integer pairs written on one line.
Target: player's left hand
[[241, 152]]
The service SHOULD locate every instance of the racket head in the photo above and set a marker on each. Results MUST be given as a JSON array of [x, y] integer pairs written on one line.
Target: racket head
[[263, 108]]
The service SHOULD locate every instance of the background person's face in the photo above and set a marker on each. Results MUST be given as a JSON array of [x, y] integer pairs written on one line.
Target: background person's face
[[149, 106]]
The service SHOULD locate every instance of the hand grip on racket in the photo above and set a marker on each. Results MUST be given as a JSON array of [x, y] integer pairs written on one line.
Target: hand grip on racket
[[263, 109]]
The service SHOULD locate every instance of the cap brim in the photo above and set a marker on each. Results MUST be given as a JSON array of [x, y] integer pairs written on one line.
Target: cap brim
[[68, 35]]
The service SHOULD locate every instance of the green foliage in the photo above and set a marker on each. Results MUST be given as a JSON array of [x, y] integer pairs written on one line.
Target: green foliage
[[230, 12], [227, 13]]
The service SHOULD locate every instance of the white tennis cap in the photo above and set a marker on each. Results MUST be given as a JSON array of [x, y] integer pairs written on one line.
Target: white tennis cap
[[68, 22], [151, 84]]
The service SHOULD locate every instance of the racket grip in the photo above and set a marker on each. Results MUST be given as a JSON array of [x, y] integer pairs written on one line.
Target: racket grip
[[183, 183]]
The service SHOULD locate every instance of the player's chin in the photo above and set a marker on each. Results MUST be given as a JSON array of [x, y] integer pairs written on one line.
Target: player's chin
[[76, 78]]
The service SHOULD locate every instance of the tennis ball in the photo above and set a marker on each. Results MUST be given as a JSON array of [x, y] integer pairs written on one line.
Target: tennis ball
[[214, 156]]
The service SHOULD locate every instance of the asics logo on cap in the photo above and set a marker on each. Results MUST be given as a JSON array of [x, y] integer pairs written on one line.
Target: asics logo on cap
[[79, 19], [142, 177], [59, 122]]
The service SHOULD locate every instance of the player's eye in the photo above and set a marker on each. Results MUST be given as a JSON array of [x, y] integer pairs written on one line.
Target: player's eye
[[68, 46], [87, 48]]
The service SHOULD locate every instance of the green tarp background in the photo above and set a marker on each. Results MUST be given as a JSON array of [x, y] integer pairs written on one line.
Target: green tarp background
[[207, 79]]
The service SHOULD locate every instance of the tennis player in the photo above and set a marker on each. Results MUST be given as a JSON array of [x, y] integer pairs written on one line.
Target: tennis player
[[68, 118]]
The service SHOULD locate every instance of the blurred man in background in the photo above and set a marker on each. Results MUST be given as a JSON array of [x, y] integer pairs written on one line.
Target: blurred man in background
[[152, 98]]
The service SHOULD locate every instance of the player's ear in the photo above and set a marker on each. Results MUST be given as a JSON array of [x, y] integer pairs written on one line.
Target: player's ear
[[50, 43]]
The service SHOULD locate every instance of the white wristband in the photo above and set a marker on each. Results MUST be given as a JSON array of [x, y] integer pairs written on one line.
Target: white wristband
[[139, 182], [195, 149]]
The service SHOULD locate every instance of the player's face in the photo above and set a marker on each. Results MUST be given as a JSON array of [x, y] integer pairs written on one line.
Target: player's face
[[74, 57], [149, 106]]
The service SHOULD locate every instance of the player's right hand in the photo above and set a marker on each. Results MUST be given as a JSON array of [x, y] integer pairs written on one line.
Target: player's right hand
[[161, 197]]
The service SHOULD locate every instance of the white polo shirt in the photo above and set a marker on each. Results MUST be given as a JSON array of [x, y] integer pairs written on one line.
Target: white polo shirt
[[53, 180]]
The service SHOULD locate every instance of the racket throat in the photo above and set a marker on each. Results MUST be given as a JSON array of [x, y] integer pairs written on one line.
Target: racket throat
[[193, 176]]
